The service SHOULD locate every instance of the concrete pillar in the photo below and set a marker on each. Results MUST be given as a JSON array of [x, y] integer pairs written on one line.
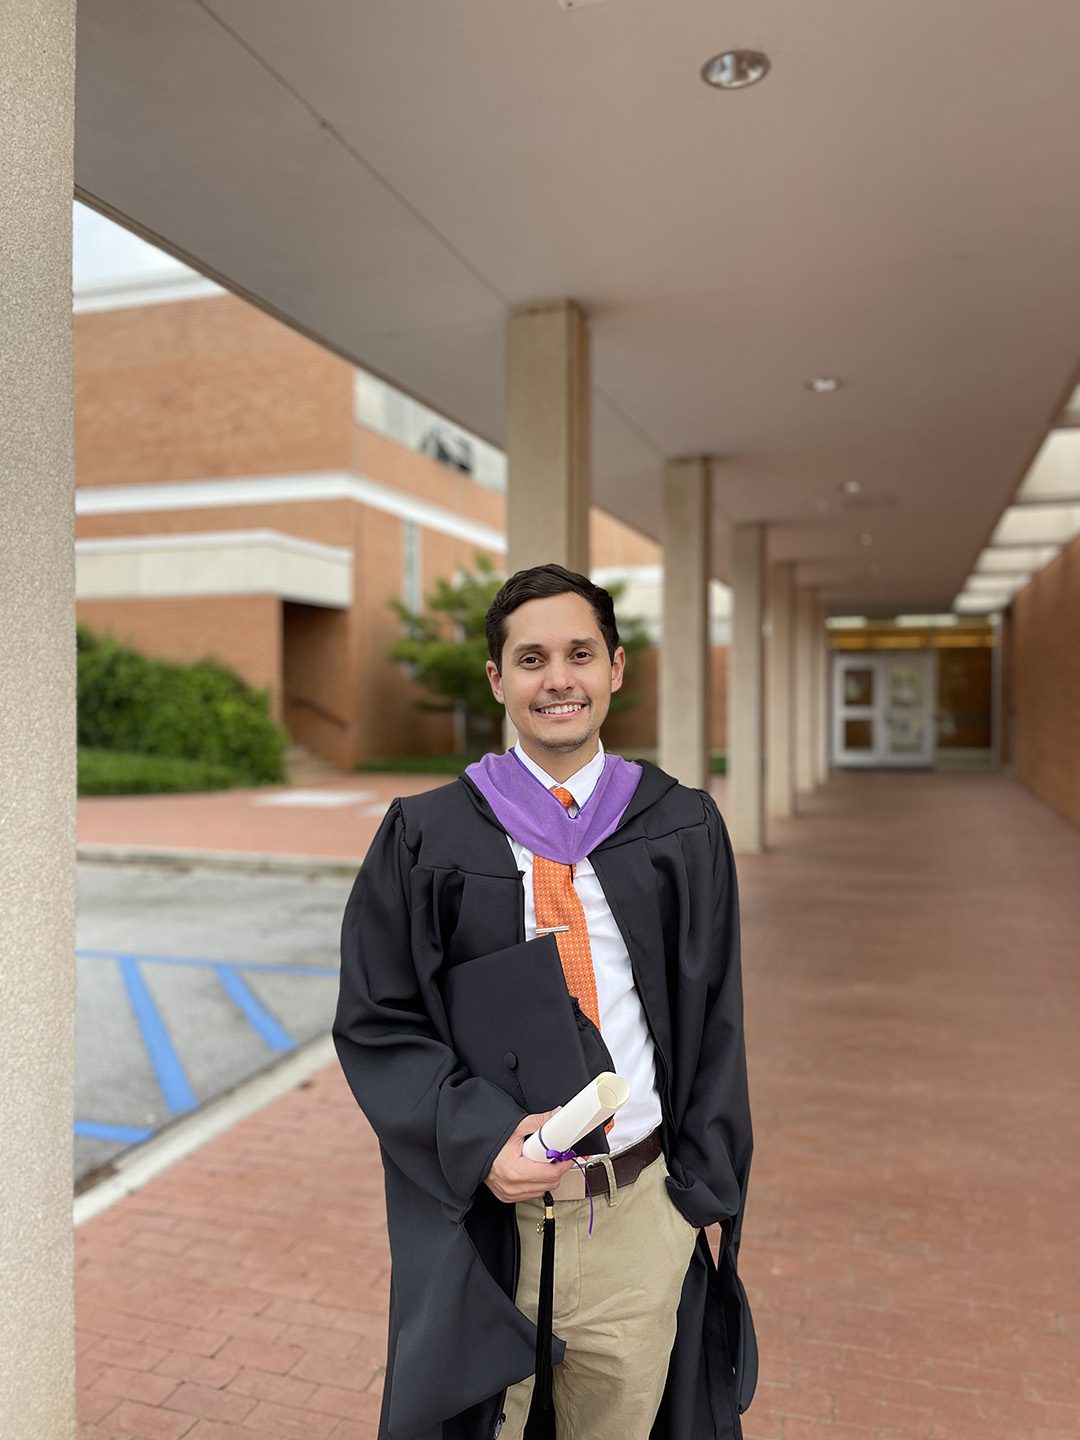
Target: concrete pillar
[[746, 710], [37, 723], [684, 652], [806, 716], [822, 686], [780, 691], [548, 437]]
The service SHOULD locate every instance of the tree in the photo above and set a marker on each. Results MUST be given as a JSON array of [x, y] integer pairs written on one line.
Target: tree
[[445, 648]]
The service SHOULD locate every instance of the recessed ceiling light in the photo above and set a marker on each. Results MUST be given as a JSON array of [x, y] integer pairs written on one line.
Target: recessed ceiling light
[[823, 384], [851, 487], [866, 538], [735, 69]]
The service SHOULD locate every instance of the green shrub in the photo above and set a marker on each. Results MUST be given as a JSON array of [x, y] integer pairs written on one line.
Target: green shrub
[[116, 772], [202, 712]]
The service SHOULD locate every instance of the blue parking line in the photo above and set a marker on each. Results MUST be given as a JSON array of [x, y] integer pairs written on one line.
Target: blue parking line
[[206, 964], [168, 1067], [96, 1130], [256, 1014]]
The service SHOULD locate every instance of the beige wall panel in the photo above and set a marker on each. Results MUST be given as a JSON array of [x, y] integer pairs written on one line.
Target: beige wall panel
[[327, 521]]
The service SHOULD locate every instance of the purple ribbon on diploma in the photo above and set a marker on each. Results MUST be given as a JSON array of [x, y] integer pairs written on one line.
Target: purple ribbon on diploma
[[558, 1155]]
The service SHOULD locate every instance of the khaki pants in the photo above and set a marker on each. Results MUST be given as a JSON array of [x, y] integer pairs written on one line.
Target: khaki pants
[[616, 1293]]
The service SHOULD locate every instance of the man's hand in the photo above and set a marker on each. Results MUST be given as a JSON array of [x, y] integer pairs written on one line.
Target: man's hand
[[512, 1177]]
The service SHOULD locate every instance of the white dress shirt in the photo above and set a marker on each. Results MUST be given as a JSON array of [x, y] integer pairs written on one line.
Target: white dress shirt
[[622, 1019]]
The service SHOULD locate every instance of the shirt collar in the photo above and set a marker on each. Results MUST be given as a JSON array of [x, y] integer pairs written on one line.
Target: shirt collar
[[581, 784]]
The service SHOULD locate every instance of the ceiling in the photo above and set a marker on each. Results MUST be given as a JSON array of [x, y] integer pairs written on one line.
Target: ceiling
[[895, 204]]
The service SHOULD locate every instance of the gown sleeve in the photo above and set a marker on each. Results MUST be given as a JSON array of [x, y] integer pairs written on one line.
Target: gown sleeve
[[715, 1139], [714, 1143], [438, 1123]]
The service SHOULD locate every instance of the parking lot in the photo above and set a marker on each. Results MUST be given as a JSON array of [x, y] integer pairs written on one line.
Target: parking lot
[[189, 982]]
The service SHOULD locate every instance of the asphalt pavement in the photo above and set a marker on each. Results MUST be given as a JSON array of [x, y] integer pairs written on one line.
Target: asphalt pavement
[[190, 981]]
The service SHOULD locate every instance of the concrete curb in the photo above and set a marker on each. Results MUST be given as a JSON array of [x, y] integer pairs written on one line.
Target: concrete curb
[[133, 1168], [336, 865]]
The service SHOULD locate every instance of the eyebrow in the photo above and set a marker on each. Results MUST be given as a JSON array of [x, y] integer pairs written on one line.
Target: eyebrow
[[527, 645]]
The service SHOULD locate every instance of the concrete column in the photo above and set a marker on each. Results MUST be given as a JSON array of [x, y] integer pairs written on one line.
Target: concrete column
[[822, 686], [37, 723], [548, 437], [780, 691], [684, 652], [806, 716], [746, 710]]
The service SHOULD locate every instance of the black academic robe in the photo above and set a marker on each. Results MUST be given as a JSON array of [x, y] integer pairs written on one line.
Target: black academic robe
[[434, 963]]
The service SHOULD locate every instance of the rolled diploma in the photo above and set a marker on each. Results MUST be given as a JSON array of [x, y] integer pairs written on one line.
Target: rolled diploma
[[589, 1108]]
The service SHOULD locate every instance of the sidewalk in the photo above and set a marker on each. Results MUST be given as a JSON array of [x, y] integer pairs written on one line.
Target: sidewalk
[[330, 820], [909, 1247]]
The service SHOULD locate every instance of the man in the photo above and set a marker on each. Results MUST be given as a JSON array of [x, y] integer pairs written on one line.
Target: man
[[554, 913]]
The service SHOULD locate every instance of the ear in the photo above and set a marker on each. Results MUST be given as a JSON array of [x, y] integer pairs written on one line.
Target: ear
[[618, 664], [495, 681]]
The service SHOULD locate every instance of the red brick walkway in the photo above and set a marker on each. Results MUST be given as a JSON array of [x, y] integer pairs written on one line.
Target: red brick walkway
[[251, 821], [910, 952]]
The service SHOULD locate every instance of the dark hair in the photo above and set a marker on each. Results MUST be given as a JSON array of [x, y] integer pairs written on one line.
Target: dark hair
[[537, 584]]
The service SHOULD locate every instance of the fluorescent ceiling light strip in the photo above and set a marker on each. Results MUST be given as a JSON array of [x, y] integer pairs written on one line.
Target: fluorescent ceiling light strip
[[995, 584], [1055, 471], [1015, 560], [977, 604], [1037, 525]]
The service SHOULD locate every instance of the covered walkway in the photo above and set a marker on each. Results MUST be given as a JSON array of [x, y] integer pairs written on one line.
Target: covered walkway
[[909, 1249]]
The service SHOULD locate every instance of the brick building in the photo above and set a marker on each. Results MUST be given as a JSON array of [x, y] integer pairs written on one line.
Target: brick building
[[244, 493]]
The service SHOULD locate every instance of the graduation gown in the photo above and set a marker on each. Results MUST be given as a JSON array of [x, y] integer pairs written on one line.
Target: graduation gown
[[450, 1028]]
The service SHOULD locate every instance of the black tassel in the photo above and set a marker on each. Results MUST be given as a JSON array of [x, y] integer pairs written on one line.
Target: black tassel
[[545, 1307]]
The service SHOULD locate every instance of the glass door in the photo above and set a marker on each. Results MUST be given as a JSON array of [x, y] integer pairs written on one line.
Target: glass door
[[883, 708]]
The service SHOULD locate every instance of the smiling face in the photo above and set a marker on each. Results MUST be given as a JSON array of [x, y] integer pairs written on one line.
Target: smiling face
[[556, 680]]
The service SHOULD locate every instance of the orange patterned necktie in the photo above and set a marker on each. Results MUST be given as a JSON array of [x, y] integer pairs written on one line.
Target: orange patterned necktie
[[559, 909]]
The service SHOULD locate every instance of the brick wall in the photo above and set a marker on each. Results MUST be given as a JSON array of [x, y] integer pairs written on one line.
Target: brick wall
[[200, 388], [1045, 683], [399, 468], [241, 631], [319, 706]]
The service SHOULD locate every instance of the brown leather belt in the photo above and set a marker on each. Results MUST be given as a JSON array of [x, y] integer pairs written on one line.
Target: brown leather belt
[[627, 1166]]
